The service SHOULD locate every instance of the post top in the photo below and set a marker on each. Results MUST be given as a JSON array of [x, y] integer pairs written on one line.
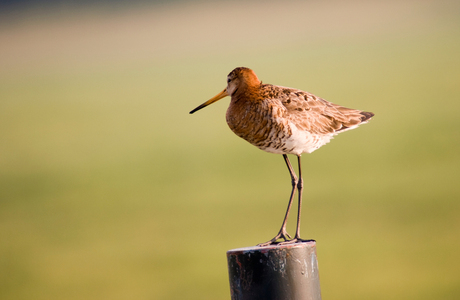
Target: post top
[[265, 249]]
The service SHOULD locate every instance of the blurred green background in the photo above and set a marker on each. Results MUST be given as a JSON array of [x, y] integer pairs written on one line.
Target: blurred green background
[[109, 189]]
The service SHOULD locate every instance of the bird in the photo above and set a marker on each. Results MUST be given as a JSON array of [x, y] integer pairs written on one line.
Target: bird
[[283, 120]]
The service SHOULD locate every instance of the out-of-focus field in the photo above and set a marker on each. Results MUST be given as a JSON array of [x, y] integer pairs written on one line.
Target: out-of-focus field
[[109, 189]]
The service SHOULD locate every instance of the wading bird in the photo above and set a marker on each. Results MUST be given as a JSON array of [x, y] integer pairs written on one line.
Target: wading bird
[[283, 120]]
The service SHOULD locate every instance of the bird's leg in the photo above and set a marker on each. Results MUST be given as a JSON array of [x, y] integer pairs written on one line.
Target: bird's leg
[[297, 238], [282, 234], [300, 188]]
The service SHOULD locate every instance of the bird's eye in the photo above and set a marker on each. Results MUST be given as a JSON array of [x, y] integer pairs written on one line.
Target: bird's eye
[[228, 80]]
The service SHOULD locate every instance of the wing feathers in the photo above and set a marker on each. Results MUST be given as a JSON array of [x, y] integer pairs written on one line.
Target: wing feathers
[[315, 114]]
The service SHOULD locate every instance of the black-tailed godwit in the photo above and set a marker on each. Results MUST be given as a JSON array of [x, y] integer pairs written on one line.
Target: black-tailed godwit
[[283, 121]]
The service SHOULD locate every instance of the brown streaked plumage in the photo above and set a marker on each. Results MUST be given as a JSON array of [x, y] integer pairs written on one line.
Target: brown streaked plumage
[[284, 121]]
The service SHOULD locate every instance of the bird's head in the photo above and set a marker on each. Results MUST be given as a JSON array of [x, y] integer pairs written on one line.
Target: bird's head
[[238, 80]]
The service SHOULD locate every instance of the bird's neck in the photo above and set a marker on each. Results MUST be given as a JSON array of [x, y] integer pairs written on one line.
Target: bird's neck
[[246, 94]]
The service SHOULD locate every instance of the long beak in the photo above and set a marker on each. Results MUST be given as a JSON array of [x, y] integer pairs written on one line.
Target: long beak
[[212, 100]]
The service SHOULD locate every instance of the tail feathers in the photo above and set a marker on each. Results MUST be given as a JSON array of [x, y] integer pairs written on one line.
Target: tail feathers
[[361, 118], [366, 116]]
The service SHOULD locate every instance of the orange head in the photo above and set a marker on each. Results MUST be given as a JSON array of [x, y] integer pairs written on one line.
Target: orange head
[[239, 80]]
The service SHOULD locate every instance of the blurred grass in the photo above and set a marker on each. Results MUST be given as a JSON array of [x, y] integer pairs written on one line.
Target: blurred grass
[[109, 189]]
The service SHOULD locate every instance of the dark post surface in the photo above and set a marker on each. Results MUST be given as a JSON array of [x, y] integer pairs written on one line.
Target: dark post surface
[[274, 272]]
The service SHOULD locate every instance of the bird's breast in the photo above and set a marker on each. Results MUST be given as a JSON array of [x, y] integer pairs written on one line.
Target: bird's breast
[[261, 124]]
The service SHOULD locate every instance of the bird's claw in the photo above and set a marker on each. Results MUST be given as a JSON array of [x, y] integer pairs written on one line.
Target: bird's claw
[[281, 235], [287, 241], [294, 240]]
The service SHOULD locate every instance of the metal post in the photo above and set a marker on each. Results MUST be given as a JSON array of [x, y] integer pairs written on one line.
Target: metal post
[[274, 272]]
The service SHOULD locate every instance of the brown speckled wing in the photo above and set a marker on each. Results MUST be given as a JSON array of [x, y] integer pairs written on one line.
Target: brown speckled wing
[[314, 114]]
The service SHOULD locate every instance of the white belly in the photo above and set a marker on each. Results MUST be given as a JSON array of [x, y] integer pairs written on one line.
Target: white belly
[[299, 142]]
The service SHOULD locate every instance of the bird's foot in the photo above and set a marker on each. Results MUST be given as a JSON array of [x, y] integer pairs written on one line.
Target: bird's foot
[[281, 235], [294, 240]]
